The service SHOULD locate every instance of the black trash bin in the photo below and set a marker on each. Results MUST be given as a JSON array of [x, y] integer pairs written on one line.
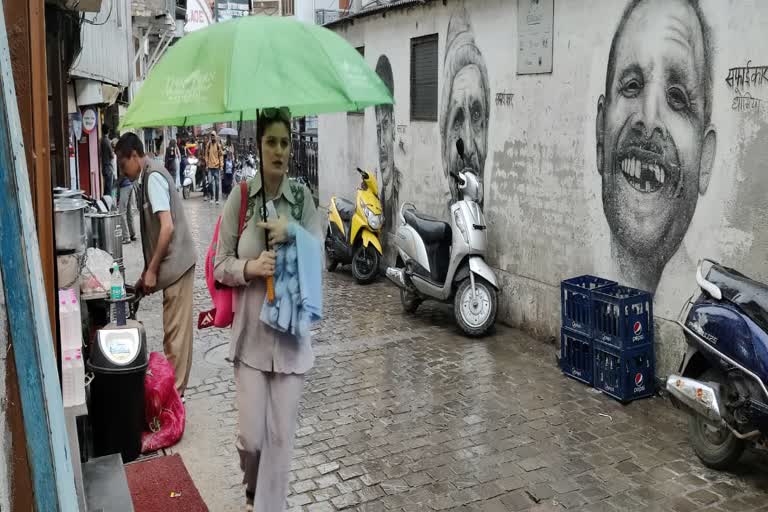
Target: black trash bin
[[118, 361]]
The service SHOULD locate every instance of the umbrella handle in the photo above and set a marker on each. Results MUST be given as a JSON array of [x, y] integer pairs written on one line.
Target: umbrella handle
[[271, 289]]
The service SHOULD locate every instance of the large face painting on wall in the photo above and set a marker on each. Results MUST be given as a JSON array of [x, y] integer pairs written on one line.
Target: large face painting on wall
[[385, 141], [655, 144], [465, 100]]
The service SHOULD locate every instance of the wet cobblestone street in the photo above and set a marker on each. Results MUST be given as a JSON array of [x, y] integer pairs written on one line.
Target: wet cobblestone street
[[402, 413]]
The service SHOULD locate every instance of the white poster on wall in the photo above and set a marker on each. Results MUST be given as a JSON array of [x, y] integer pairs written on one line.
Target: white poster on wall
[[535, 23], [231, 9], [199, 14]]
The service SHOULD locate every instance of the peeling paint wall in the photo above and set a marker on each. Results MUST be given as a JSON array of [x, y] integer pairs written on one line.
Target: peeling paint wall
[[553, 212], [5, 434]]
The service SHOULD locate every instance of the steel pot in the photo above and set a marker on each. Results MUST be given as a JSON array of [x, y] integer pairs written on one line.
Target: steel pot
[[61, 193], [106, 233], [69, 224]]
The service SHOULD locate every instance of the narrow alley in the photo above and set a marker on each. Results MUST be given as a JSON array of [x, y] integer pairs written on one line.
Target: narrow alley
[[402, 413]]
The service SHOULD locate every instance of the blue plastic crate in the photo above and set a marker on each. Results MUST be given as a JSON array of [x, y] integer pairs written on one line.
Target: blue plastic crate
[[622, 317], [625, 374], [576, 301], [576, 359]]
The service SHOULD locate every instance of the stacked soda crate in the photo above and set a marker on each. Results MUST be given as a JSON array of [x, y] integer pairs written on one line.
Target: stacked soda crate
[[606, 337]]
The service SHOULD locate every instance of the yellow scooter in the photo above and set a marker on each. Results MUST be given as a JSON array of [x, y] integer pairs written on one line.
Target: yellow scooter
[[353, 231]]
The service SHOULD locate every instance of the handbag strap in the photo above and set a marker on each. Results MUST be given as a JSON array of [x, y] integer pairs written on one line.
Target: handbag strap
[[243, 206]]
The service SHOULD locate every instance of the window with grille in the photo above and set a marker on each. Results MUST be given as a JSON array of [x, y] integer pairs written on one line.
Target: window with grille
[[288, 7], [424, 78]]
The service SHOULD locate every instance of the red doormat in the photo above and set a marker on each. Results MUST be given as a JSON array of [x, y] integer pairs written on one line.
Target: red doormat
[[163, 484]]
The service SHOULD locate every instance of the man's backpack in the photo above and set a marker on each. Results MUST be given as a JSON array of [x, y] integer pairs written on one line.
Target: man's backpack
[[223, 312]]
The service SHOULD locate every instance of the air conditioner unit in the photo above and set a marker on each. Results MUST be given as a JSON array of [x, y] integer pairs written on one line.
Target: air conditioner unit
[[79, 5]]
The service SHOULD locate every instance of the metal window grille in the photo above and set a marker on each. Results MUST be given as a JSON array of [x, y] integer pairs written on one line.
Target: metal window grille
[[424, 78]]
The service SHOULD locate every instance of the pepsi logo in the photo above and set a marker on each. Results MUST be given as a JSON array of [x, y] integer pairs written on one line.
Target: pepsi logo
[[639, 379], [638, 328]]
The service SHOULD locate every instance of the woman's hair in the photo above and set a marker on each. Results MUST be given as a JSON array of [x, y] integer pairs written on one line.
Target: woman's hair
[[173, 143]]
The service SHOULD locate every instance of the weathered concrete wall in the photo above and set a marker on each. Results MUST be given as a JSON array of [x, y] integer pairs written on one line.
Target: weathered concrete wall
[[634, 180]]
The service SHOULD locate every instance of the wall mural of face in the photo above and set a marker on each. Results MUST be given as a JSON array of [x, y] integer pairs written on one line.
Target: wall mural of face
[[655, 146], [385, 139], [465, 100]]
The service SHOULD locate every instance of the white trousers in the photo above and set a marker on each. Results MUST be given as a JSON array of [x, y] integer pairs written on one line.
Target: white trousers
[[268, 405]]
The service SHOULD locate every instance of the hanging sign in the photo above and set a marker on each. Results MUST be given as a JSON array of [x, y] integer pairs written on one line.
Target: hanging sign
[[199, 15], [89, 120]]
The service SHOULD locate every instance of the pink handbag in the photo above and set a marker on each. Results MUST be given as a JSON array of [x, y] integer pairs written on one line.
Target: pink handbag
[[222, 296]]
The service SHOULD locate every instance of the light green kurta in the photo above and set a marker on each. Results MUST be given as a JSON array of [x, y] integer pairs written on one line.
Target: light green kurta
[[253, 342]]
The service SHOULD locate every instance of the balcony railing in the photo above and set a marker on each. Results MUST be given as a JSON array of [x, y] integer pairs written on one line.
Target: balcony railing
[[304, 161]]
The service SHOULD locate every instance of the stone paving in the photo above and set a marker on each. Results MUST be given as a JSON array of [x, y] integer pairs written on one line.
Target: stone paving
[[401, 413]]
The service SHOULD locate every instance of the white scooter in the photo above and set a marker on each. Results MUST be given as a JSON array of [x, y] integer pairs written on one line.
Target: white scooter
[[188, 185], [446, 262]]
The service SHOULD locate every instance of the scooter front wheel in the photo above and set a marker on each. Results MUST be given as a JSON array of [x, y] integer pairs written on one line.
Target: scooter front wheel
[[185, 192], [365, 264], [475, 313]]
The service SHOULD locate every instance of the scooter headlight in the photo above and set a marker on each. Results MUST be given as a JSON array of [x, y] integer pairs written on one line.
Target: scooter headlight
[[375, 221]]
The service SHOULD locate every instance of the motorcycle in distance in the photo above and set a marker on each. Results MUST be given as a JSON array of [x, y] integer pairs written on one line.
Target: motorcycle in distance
[[354, 230], [724, 373], [446, 262], [190, 172], [245, 170]]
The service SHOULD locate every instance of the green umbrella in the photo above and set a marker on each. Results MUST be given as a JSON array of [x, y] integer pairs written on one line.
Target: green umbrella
[[230, 70]]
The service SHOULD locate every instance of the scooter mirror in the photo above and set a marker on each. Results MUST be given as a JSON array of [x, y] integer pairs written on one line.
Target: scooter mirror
[[460, 148]]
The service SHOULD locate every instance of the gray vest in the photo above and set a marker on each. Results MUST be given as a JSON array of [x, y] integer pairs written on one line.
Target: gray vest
[[181, 254]]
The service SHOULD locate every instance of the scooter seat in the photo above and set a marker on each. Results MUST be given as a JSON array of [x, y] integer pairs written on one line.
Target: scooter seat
[[432, 230], [345, 208], [748, 295]]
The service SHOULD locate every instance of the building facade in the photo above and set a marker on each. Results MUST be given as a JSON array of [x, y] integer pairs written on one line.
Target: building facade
[[625, 139]]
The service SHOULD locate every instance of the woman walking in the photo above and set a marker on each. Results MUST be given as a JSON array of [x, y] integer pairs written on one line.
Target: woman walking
[[269, 365]]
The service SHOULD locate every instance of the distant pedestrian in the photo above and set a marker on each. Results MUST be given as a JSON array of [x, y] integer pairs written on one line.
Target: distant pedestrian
[[169, 251], [172, 161], [229, 170], [269, 365], [214, 160], [106, 160], [125, 194]]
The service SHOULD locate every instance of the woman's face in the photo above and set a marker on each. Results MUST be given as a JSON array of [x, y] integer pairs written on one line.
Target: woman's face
[[276, 149]]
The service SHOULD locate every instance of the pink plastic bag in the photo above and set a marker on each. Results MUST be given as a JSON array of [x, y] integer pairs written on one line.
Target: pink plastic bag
[[163, 409]]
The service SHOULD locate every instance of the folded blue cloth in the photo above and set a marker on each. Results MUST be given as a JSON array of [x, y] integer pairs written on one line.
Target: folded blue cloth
[[298, 284]]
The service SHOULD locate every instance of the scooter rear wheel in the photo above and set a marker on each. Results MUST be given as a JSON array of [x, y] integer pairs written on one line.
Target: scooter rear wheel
[[185, 192], [716, 447], [410, 301]]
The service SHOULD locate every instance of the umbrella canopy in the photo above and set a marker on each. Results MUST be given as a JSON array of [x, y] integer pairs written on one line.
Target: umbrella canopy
[[230, 70], [228, 131]]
